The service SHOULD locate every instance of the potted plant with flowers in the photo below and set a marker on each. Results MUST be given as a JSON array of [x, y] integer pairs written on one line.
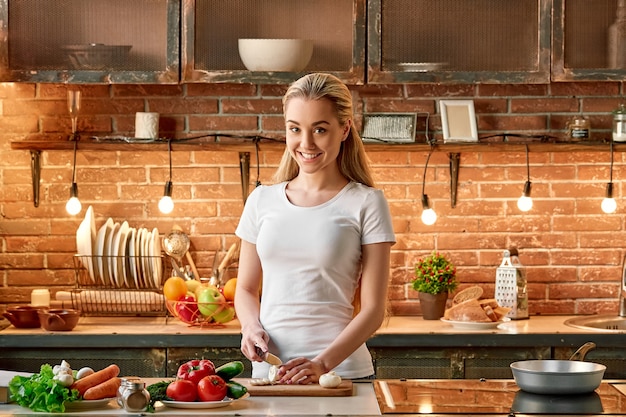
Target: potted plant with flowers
[[435, 278]]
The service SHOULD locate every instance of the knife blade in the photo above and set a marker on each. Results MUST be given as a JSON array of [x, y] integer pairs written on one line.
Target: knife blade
[[269, 357]]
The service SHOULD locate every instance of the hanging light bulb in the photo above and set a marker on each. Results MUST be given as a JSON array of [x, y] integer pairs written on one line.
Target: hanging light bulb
[[166, 204], [608, 204], [73, 205], [525, 202], [429, 217]]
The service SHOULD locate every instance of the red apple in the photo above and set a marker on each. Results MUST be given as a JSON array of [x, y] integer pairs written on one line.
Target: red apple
[[187, 309]]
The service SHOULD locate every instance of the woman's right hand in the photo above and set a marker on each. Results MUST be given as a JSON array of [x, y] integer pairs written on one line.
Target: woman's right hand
[[253, 339]]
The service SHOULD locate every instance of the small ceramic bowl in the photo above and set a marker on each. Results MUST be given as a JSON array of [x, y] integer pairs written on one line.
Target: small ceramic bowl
[[58, 320], [23, 317]]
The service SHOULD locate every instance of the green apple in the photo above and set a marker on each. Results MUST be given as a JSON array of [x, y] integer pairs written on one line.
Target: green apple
[[224, 316], [210, 300]]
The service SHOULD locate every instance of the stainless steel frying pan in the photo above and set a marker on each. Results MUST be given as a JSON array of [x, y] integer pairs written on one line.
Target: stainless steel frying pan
[[553, 376]]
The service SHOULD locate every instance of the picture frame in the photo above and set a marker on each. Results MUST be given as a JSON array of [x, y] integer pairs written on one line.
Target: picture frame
[[458, 120]]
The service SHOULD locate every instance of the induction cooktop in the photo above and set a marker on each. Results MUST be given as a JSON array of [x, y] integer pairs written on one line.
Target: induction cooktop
[[460, 396]]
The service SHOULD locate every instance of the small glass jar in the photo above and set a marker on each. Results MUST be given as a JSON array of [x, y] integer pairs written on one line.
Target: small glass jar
[[135, 397], [40, 298], [125, 382], [578, 128], [619, 124]]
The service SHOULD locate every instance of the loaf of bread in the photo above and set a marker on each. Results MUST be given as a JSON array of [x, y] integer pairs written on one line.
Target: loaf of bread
[[469, 307]]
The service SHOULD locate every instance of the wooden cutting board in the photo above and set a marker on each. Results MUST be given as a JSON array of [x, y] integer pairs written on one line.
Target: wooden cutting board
[[309, 390]]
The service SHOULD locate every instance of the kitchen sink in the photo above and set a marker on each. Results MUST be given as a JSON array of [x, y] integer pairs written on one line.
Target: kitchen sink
[[605, 323]]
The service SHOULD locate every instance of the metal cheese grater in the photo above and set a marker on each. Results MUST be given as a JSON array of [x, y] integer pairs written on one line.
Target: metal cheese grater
[[511, 286]]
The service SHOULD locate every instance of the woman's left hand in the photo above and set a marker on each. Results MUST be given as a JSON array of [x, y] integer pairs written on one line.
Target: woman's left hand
[[300, 371]]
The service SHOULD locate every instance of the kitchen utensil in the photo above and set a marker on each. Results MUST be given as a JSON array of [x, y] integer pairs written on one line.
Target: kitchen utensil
[[23, 317], [291, 55], [176, 245], [215, 278], [231, 256], [58, 319], [553, 376], [196, 275], [268, 357], [345, 389], [244, 170]]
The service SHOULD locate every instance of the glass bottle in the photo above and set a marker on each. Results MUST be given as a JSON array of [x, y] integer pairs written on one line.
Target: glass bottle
[[578, 128], [619, 124]]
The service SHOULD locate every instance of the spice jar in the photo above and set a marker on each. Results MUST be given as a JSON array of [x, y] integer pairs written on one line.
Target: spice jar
[[124, 383], [619, 124], [135, 397], [578, 128]]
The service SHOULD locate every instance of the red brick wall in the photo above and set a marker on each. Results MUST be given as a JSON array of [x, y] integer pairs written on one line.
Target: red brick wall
[[572, 251]]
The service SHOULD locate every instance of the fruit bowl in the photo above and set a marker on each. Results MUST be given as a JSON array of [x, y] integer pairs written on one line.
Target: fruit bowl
[[201, 314]]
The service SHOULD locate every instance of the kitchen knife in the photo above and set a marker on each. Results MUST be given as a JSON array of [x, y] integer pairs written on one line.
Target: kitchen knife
[[269, 357]]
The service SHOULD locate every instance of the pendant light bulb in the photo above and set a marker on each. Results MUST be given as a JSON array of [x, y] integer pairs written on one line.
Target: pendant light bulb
[[73, 205], [166, 204], [525, 202], [608, 204], [429, 217]]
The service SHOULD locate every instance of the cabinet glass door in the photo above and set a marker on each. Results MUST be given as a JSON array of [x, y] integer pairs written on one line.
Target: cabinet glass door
[[589, 40], [212, 29], [498, 41], [91, 41]]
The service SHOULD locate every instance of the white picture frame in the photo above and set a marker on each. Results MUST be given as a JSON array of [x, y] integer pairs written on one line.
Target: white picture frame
[[458, 120]]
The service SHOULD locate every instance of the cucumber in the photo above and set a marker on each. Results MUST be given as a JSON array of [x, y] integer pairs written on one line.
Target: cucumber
[[235, 390], [230, 370]]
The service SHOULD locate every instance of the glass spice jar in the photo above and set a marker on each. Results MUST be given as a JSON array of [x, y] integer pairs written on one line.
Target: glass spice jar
[[124, 382], [578, 128], [619, 124], [135, 397]]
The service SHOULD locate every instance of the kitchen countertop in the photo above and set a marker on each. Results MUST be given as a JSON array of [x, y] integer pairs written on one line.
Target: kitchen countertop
[[398, 331], [363, 402]]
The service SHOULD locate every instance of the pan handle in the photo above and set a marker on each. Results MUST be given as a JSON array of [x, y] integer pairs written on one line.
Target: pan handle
[[580, 354]]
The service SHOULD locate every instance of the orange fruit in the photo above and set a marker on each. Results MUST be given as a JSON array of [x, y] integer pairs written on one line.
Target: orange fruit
[[174, 288], [229, 289]]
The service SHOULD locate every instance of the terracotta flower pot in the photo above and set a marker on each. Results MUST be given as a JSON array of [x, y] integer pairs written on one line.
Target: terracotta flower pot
[[433, 305]]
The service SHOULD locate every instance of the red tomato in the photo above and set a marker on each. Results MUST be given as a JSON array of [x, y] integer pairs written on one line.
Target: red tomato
[[182, 390], [195, 370], [212, 388]]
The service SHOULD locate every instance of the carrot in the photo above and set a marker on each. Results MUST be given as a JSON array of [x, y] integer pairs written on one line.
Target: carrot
[[96, 378], [107, 389]]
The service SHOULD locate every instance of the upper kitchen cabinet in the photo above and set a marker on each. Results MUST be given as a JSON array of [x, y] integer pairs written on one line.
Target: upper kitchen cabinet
[[90, 41], [459, 41], [211, 30], [589, 40]]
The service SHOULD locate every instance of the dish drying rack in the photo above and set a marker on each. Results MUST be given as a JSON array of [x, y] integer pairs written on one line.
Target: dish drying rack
[[119, 285]]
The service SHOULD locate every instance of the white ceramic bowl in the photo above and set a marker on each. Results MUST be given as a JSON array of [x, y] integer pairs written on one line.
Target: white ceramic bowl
[[290, 55]]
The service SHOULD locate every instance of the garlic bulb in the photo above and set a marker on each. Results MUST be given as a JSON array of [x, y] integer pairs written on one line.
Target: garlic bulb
[[272, 374], [330, 380]]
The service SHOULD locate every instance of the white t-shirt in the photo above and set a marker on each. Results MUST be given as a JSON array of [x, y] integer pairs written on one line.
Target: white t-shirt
[[311, 266]]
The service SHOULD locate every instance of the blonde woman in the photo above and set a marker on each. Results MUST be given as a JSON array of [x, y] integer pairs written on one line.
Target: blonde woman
[[320, 239]]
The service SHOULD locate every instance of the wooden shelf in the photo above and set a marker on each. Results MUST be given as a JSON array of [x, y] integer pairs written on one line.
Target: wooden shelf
[[61, 143]]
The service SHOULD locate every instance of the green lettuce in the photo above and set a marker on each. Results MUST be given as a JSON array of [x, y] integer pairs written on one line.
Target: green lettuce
[[40, 392]]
